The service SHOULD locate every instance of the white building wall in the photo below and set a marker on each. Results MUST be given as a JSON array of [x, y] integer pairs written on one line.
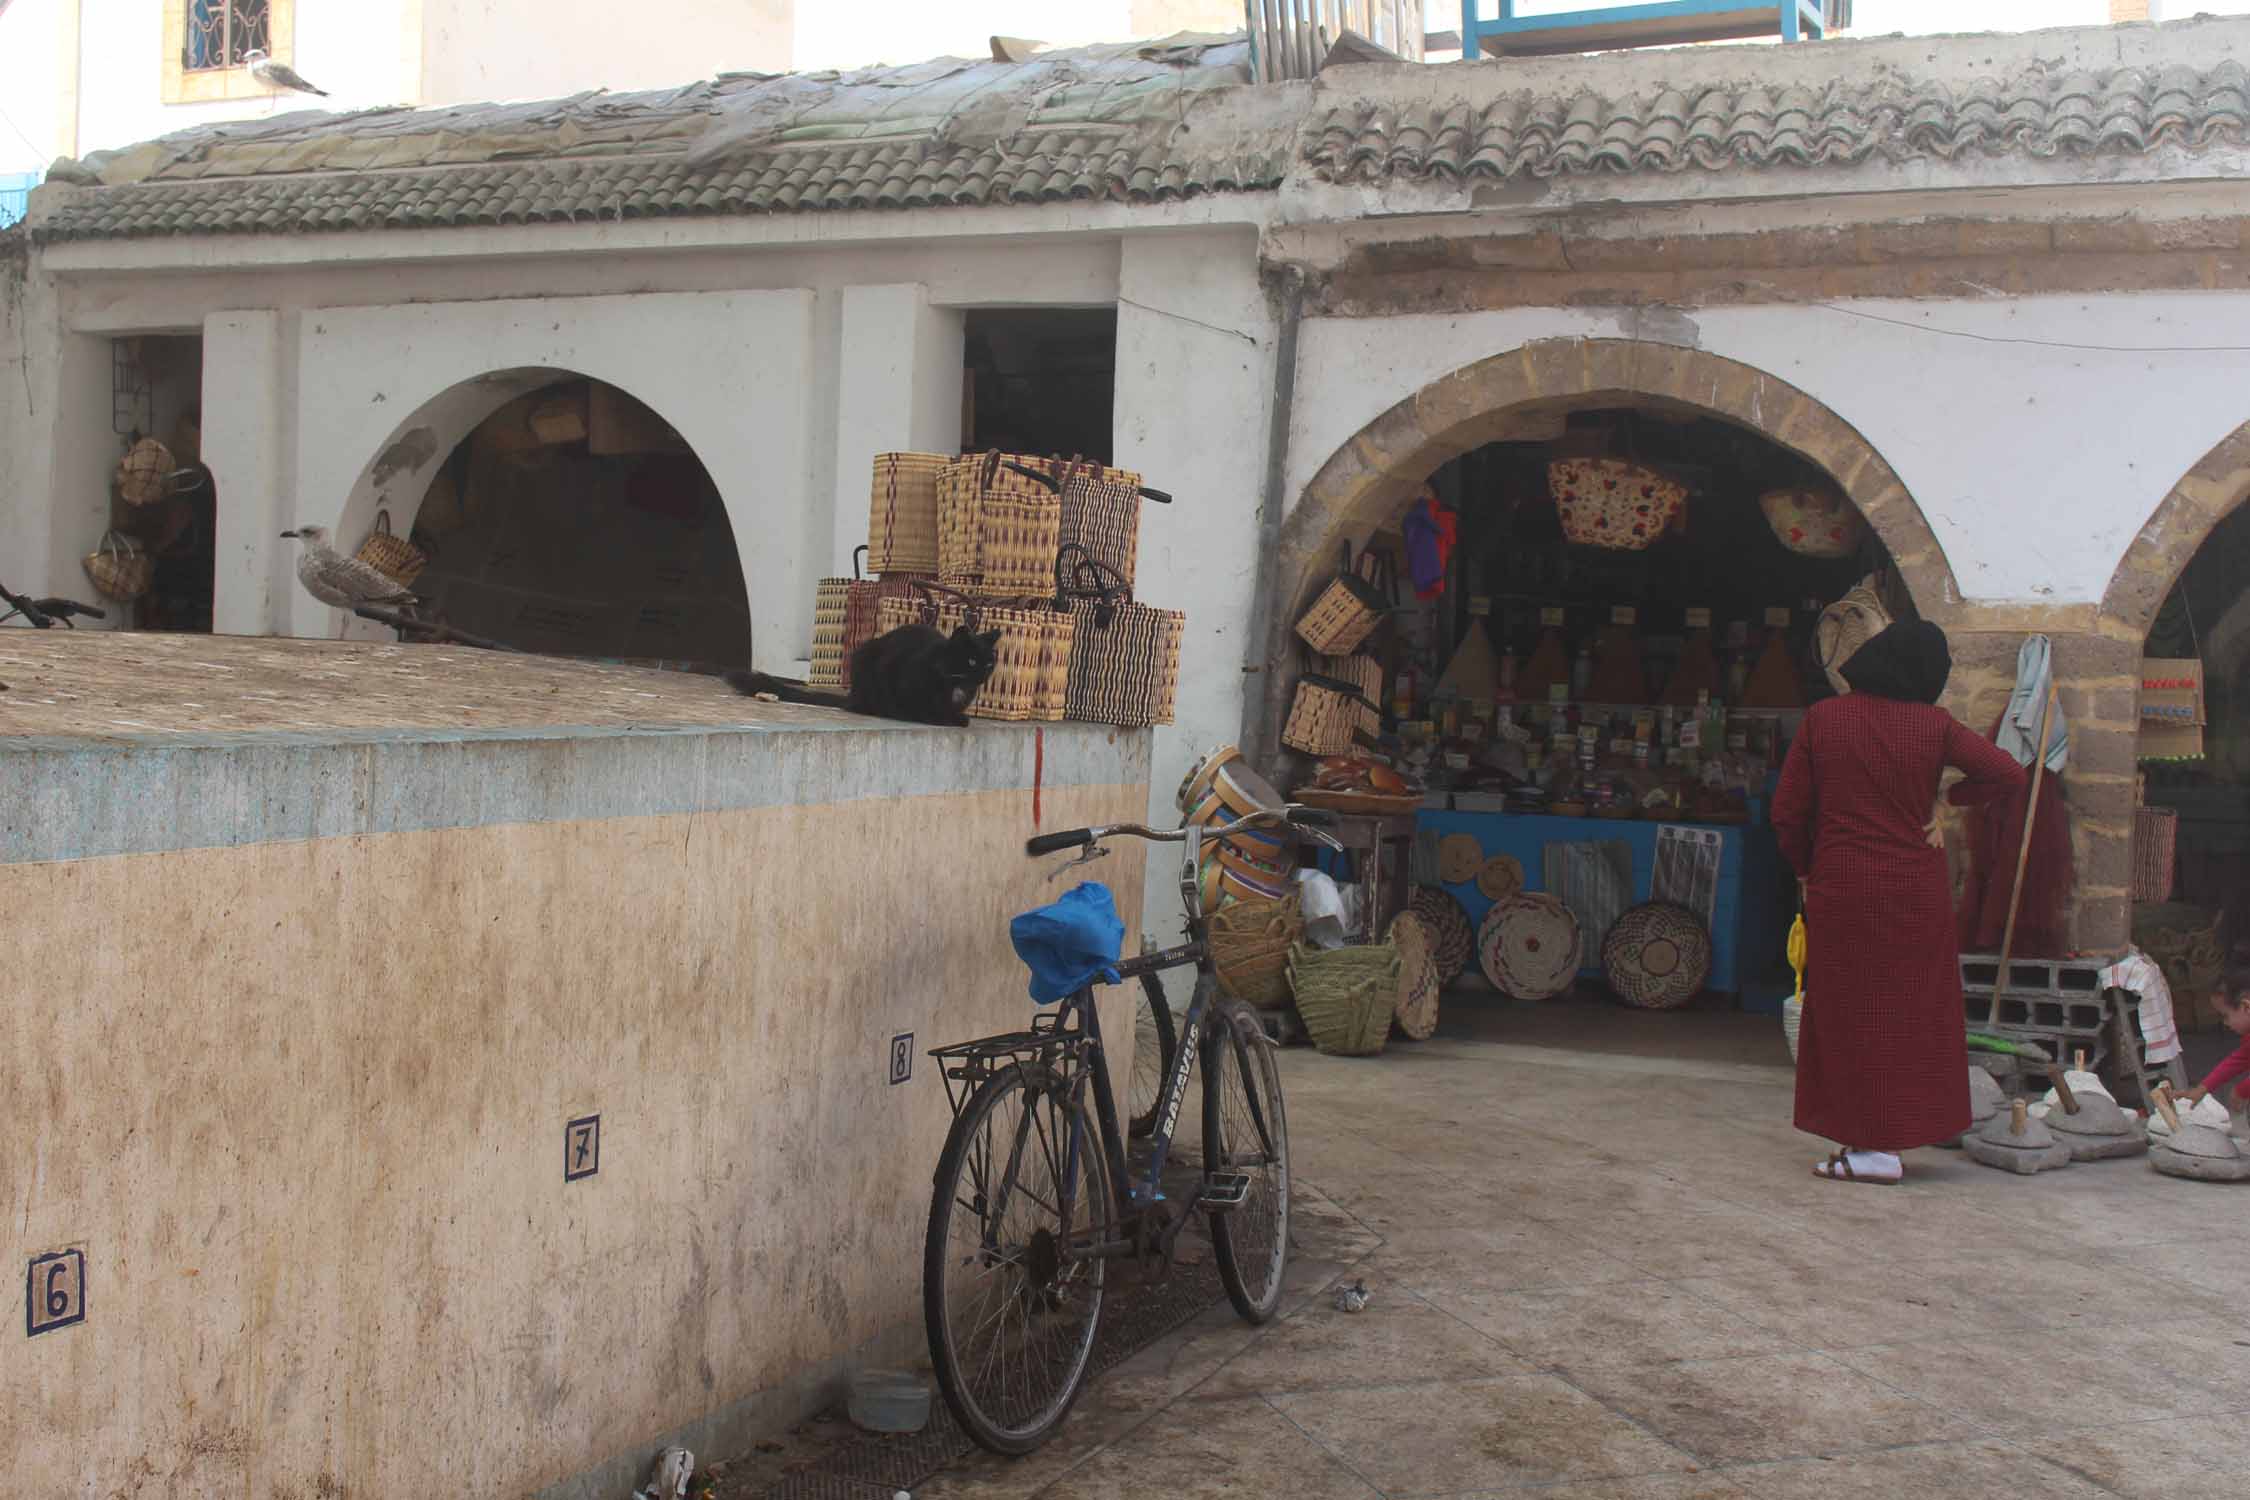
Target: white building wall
[[35, 38], [506, 49], [2037, 434]]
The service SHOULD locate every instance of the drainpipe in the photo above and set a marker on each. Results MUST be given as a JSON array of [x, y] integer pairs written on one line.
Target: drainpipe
[[1257, 729]]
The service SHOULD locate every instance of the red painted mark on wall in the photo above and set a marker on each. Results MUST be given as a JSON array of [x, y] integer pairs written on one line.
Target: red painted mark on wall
[[1038, 770]]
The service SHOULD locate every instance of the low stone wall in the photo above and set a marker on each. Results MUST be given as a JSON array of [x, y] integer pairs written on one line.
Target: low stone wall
[[300, 1019]]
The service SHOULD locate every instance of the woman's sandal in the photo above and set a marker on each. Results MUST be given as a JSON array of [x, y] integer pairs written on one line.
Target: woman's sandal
[[1838, 1168]]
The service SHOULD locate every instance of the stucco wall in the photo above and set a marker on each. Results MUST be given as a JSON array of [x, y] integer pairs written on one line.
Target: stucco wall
[[311, 1014], [478, 49]]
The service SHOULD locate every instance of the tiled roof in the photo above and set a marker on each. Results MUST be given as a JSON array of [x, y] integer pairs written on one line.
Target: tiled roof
[[1049, 169], [2128, 110]]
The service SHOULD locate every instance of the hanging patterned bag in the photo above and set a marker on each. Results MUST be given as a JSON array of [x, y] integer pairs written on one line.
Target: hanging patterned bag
[[1124, 657]]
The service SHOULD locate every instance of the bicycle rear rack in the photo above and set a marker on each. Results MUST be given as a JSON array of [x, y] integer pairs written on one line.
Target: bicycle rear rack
[[966, 1065]]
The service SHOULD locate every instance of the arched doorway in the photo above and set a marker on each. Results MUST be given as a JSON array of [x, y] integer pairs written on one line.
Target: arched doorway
[[1524, 393], [2182, 593], [560, 514], [1623, 710]]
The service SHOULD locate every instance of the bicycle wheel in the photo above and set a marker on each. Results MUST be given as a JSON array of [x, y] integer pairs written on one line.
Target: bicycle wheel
[[1156, 1046], [1245, 1131], [1011, 1315]]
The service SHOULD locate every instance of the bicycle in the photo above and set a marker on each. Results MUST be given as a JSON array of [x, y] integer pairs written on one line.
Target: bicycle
[[1033, 1198]]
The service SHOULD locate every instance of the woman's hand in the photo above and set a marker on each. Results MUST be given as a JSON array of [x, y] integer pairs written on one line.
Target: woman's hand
[[1933, 832], [2195, 1096]]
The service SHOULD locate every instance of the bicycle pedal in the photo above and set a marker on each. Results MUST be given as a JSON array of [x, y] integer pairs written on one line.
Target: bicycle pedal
[[1222, 1191]]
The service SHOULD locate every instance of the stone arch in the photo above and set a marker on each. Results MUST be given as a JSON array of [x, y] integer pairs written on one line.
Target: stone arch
[[1521, 392], [2182, 522]]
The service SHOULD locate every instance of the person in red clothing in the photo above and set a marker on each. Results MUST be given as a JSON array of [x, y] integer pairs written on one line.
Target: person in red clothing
[[2233, 1001], [1882, 1057]]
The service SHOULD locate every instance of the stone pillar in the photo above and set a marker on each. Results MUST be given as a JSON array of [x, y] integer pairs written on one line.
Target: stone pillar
[[898, 389], [245, 387]]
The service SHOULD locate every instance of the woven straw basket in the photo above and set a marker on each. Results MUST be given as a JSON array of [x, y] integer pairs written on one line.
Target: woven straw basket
[[2156, 843], [1322, 716], [1529, 946], [1452, 940], [1345, 614], [391, 555], [999, 526], [1607, 502], [1101, 515], [902, 513], [1125, 657], [1346, 996], [143, 471], [1366, 674], [1033, 668], [831, 603], [1250, 943], [1813, 522], [119, 569], [1656, 956], [1418, 983], [1845, 626]]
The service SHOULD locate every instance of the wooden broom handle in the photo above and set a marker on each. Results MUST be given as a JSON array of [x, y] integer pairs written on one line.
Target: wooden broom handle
[[2023, 851]]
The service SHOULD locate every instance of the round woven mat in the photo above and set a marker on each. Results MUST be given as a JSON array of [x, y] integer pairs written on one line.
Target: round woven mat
[[1657, 956], [1418, 984], [1453, 942], [1459, 858], [1528, 946], [1501, 877]]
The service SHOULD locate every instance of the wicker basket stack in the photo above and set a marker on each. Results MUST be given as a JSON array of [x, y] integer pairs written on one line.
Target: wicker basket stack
[[1250, 943]]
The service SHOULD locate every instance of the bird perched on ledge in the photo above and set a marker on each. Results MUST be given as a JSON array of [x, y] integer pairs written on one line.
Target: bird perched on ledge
[[279, 75], [345, 582]]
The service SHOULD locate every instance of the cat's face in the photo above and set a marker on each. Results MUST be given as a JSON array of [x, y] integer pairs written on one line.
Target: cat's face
[[970, 660]]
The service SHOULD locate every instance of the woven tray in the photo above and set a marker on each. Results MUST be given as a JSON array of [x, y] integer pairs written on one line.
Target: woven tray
[[1529, 946], [1377, 804], [1657, 956], [1418, 983], [1453, 941]]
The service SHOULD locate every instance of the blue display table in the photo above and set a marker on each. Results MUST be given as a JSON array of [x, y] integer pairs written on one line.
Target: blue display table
[[1748, 928]]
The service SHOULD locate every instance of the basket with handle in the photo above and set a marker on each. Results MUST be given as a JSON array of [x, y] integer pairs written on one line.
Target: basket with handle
[[863, 604], [1365, 673], [1813, 522], [1345, 613], [1124, 657], [1346, 997], [1323, 716], [392, 555], [902, 513], [831, 603], [999, 525], [1101, 514], [144, 473], [1032, 656], [1250, 942], [120, 568], [1610, 502]]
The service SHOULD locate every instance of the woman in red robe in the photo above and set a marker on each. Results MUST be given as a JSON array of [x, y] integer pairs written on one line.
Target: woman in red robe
[[1882, 1058]]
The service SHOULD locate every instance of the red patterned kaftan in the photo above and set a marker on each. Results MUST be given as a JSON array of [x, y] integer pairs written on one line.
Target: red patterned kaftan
[[1882, 1063]]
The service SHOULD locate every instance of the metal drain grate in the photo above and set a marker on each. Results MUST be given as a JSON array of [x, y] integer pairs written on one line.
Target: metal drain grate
[[874, 1466]]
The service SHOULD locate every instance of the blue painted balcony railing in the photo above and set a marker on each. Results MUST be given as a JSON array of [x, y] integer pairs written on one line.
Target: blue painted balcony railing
[[15, 195], [1658, 23]]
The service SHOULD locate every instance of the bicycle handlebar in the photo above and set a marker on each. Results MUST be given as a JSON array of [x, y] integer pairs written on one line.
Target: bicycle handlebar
[[1077, 838]]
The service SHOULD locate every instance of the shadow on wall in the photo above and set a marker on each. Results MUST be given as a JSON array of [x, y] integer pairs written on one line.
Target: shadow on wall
[[575, 521]]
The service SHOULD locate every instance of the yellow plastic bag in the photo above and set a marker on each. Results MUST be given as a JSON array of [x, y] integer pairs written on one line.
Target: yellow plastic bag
[[1793, 1008]]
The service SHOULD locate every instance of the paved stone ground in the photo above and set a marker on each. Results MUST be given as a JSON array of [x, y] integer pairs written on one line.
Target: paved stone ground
[[1598, 1275]]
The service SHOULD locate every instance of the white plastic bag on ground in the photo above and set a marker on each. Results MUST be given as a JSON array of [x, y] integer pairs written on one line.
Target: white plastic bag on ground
[[674, 1467], [2207, 1111]]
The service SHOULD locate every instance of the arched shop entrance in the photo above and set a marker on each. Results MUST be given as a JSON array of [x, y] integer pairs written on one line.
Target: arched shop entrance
[[1607, 718], [2184, 591], [572, 519]]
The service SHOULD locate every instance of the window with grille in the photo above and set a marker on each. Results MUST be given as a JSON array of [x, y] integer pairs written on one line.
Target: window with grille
[[223, 33]]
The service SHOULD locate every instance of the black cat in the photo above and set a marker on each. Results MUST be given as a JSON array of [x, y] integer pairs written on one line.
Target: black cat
[[915, 672]]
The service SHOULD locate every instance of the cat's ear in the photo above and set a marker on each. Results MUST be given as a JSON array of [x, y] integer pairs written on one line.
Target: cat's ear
[[990, 640]]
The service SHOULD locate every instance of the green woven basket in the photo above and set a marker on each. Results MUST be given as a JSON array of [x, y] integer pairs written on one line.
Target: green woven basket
[[1345, 996]]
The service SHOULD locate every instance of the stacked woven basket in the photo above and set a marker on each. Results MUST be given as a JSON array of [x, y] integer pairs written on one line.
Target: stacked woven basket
[[1041, 550]]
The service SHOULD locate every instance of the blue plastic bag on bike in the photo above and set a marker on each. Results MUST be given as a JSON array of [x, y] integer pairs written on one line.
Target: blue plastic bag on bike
[[1069, 943]]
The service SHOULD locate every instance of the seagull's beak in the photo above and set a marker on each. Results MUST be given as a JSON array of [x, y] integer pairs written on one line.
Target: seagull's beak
[[289, 533]]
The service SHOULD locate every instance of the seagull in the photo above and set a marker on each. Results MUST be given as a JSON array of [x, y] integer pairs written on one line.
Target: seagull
[[280, 75], [345, 582]]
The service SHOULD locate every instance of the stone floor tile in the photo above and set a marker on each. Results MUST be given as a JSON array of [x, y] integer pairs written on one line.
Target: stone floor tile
[[1842, 1306], [1397, 1339], [2166, 1460], [1450, 1439], [1985, 1469], [1766, 1408], [1242, 1449], [2028, 1383], [1626, 1323], [1491, 1260]]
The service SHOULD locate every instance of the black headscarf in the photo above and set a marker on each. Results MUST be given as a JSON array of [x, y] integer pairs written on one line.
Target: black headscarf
[[1908, 661]]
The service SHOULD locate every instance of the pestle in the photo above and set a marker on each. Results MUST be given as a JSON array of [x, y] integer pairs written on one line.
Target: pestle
[[2015, 1142], [2091, 1125], [2201, 1153]]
